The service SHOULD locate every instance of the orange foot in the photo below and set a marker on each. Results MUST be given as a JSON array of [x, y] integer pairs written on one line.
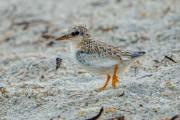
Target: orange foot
[[114, 81], [115, 77], [105, 84]]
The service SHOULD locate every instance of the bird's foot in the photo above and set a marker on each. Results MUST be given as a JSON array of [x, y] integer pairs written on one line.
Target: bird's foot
[[105, 84], [101, 89], [115, 80]]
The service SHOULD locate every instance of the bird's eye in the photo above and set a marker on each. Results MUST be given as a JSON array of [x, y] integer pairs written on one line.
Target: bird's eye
[[73, 33], [77, 33]]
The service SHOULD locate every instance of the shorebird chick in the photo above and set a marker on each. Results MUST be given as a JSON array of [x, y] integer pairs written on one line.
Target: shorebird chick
[[98, 56]]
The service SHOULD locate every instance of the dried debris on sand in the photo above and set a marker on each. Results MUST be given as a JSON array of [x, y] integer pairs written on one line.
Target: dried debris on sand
[[35, 85]]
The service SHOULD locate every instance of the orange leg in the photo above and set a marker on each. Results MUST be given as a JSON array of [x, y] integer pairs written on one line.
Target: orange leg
[[106, 83], [115, 76]]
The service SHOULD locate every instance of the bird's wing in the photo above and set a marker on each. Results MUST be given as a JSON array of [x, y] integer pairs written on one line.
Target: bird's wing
[[94, 59], [105, 50], [129, 55], [115, 52], [104, 55]]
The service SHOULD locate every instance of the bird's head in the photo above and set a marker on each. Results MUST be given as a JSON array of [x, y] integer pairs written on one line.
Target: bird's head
[[75, 34]]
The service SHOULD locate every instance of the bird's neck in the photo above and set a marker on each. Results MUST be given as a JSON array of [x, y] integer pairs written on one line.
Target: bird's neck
[[83, 42], [80, 44]]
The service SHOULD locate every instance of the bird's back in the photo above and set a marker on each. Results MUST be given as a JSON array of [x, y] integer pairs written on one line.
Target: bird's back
[[104, 50], [97, 53]]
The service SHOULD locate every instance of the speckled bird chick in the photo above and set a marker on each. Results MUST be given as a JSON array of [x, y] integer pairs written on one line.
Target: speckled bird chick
[[98, 56]]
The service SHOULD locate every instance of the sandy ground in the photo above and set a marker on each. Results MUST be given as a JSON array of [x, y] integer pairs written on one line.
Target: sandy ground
[[31, 87]]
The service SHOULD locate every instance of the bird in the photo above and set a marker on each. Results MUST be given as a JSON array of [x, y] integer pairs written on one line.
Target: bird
[[97, 56]]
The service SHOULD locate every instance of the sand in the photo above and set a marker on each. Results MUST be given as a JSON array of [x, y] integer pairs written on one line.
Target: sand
[[32, 88]]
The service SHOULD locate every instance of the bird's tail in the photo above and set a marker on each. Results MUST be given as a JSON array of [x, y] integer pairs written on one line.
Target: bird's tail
[[137, 54]]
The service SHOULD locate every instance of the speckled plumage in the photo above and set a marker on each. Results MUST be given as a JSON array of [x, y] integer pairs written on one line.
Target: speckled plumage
[[98, 56]]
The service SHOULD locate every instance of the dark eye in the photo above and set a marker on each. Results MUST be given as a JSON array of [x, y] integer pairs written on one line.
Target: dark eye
[[73, 33], [76, 33]]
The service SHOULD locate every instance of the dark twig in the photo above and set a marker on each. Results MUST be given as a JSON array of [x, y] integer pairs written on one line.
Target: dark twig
[[176, 117], [51, 43], [48, 36], [149, 75], [107, 29], [27, 23], [98, 115], [169, 58], [122, 94], [58, 63], [135, 70]]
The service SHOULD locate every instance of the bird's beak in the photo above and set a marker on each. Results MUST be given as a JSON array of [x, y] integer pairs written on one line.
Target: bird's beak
[[64, 37]]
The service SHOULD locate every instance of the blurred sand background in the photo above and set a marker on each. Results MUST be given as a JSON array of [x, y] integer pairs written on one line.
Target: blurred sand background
[[32, 88]]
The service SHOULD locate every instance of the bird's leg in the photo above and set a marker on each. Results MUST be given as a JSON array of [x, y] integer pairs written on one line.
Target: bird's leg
[[105, 84], [115, 76]]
